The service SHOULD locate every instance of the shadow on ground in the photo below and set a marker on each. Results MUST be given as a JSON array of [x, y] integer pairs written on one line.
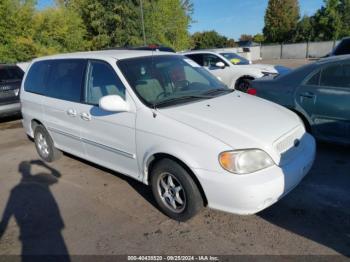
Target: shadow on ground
[[36, 212], [319, 208]]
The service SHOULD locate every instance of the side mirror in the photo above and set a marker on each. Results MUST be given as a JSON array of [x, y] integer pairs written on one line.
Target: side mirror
[[220, 64], [113, 103]]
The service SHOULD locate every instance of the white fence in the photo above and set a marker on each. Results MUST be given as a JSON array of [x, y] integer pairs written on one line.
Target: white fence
[[296, 51]]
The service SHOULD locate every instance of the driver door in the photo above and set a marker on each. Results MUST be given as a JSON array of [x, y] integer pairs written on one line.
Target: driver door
[[108, 137]]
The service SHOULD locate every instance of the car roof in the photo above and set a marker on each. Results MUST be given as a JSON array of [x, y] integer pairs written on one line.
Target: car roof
[[333, 59], [200, 51], [105, 54]]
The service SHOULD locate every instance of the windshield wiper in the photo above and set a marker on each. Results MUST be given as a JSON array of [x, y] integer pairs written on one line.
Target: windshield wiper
[[218, 90], [175, 99]]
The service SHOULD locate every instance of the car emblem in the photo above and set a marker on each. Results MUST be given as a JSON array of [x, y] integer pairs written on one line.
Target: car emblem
[[296, 142]]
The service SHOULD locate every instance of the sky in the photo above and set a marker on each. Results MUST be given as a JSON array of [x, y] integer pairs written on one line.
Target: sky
[[230, 17]]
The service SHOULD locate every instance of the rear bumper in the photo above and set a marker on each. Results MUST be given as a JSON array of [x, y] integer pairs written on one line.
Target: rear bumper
[[249, 194], [10, 109]]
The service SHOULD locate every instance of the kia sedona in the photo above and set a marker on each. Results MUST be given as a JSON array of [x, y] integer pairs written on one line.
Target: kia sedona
[[163, 120]]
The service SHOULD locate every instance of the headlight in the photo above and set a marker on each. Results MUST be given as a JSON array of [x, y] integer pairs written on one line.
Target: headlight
[[245, 161]]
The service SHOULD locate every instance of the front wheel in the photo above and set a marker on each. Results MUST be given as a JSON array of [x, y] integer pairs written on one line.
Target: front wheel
[[176, 193], [243, 84]]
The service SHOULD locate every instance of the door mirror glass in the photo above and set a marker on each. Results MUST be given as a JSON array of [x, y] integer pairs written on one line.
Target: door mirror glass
[[220, 64], [113, 103]]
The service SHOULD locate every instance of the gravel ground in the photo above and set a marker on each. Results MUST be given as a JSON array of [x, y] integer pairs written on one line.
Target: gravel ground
[[75, 207]]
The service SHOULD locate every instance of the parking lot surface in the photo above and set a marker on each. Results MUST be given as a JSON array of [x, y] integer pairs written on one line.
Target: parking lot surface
[[75, 207]]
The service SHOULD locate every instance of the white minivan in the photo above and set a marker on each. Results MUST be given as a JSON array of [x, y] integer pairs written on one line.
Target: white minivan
[[167, 122]]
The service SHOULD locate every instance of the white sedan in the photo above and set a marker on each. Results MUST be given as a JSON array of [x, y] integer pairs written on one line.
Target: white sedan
[[232, 69]]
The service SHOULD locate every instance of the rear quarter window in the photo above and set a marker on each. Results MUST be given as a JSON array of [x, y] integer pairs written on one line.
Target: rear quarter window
[[36, 78]]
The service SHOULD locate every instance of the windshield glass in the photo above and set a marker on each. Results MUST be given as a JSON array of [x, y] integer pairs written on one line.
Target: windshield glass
[[235, 59], [10, 73], [157, 79]]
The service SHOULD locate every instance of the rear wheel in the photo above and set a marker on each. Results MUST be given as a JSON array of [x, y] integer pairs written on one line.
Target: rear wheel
[[175, 191], [44, 145]]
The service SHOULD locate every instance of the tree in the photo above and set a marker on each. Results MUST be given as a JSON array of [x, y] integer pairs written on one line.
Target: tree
[[259, 38], [328, 21], [16, 30], [281, 20], [245, 37], [344, 9], [59, 30], [305, 30], [209, 39], [167, 23], [109, 23]]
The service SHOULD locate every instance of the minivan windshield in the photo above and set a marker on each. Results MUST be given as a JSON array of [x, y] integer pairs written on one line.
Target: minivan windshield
[[163, 80], [235, 59]]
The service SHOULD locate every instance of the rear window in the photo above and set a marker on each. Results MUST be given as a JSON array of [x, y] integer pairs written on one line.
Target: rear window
[[10, 73], [343, 48]]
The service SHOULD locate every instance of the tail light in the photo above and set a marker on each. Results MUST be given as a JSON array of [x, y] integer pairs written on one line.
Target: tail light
[[252, 91]]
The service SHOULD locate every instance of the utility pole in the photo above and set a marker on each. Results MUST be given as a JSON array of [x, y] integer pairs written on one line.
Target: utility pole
[[143, 23]]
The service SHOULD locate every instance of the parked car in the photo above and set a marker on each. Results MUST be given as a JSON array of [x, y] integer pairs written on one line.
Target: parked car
[[224, 66], [319, 93], [167, 122], [343, 48], [10, 83]]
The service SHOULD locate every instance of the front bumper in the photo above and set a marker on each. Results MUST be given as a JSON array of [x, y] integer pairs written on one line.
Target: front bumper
[[10, 109], [251, 193]]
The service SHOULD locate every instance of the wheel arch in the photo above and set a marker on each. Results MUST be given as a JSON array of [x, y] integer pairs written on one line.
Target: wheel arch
[[303, 118], [156, 157], [249, 77]]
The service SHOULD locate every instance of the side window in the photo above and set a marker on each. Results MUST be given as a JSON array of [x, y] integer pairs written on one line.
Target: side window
[[101, 80], [210, 60], [66, 78], [198, 58], [314, 80], [36, 79], [334, 75]]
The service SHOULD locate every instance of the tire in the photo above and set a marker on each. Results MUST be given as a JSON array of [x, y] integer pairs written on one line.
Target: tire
[[243, 84], [44, 145], [181, 188]]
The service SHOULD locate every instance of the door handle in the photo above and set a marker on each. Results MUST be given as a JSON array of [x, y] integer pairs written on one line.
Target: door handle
[[85, 116], [308, 95], [72, 112]]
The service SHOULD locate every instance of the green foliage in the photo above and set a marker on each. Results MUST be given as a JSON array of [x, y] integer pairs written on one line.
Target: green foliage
[[75, 25], [246, 37], [58, 30], [330, 22], [281, 20], [167, 22], [259, 38], [210, 39]]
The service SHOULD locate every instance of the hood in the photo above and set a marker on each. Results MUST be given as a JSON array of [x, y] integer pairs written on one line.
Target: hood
[[238, 120]]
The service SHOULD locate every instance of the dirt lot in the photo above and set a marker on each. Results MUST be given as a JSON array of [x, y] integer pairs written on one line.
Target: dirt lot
[[74, 207]]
